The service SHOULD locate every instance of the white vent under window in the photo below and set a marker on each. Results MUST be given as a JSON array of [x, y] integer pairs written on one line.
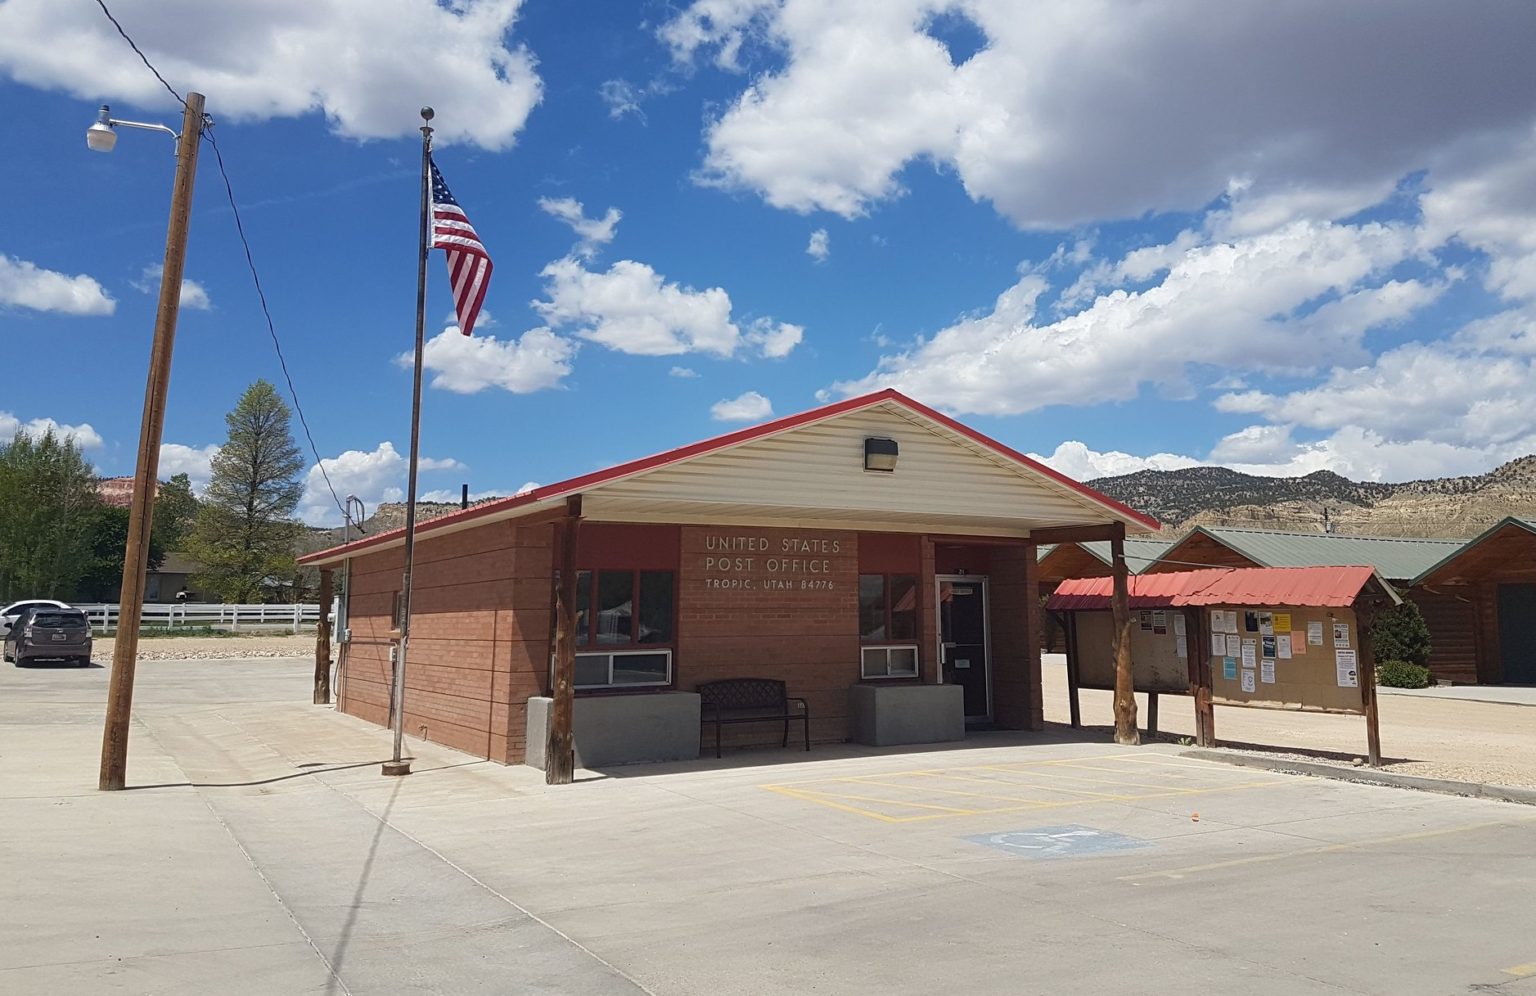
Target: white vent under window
[[889, 662]]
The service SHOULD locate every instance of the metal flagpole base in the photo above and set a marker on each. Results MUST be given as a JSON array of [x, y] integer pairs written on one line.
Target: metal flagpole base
[[397, 768]]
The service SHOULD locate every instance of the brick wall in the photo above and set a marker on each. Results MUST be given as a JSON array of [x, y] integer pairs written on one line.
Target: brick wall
[[1016, 701], [757, 617]]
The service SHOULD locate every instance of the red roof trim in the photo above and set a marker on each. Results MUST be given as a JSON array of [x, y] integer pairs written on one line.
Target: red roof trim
[[577, 484], [1320, 587]]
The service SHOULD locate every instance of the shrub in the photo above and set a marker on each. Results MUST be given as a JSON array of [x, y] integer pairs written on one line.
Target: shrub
[[1400, 634], [1402, 674]]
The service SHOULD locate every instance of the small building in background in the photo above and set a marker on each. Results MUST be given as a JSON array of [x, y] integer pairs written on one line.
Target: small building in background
[[1492, 581]]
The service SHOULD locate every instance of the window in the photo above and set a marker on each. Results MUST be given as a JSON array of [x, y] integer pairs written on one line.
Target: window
[[624, 628], [888, 625]]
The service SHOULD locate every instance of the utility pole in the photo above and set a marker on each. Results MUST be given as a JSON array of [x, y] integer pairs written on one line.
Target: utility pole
[[1120, 605], [114, 744]]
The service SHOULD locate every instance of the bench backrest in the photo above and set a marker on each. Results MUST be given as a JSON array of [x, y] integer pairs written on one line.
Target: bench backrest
[[744, 693]]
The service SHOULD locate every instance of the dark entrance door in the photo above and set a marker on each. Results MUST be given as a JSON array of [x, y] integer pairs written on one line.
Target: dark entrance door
[[963, 630], [1517, 633]]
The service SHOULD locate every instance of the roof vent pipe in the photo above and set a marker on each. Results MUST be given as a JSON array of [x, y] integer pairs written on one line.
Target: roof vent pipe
[[464, 497]]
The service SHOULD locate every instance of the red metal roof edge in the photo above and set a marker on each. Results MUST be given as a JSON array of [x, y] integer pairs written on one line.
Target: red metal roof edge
[[750, 433], [1193, 588]]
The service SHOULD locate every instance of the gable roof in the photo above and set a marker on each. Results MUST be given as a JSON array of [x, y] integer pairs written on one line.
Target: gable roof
[[1472, 544], [1321, 587], [666, 486], [1395, 558]]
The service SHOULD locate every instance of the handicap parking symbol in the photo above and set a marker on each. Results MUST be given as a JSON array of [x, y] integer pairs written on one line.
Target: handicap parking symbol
[[1071, 841]]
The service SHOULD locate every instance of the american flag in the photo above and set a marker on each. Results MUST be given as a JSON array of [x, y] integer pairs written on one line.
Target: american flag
[[469, 265]]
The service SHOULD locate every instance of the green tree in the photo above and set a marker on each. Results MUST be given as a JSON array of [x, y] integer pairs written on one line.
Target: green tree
[[1400, 634], [102, 576], [48, 502], [175, 512], [244, 533]]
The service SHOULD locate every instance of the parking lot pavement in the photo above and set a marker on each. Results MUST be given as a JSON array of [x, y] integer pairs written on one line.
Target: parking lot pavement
[[275, 858]]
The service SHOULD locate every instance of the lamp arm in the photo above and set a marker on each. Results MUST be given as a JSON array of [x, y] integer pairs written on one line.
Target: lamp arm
[[146, 127]]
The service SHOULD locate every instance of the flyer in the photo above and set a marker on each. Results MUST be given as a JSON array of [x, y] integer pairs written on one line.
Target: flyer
[[1248, 682], [1229, 668], [1315, 634], [1283, 646], [1269, 647], [1146, 619], [1344, 661], [1250, 653], [1234, 645], [1231, 620], [1178, 625], [1282, 622], [1251, 620], [1160, 622], [1341, 636], [1298, 643], [1266, 624], [1267, 672], [1182, 644]]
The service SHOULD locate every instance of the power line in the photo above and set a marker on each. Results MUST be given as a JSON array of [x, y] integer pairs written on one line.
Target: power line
[[172, 90], [261, 296], [250, 261]]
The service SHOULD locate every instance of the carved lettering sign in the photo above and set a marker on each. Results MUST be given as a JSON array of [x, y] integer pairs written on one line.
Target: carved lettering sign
[[757, 563]]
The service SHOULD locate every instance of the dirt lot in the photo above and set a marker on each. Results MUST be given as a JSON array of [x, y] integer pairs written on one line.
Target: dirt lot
[[1436, 738], [190, 648]]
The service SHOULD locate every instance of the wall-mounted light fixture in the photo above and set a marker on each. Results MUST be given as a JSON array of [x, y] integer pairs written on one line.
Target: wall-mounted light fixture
[[879, 454]]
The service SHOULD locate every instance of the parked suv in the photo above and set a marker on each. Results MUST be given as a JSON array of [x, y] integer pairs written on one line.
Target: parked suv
[[48, 632]]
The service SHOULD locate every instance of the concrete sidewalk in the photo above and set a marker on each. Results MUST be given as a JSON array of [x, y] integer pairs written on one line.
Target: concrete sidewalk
[[1505, 694], [265, 854]]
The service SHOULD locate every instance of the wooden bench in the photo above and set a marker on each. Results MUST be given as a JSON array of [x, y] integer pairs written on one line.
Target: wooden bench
[[750, 700]]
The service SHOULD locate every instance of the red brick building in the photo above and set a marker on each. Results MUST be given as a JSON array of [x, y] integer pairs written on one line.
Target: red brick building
[[869, 545]]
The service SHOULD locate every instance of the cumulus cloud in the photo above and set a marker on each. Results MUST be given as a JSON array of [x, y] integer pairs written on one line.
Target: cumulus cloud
[[26, 285], [1268, 99], [684, 373], [84, 435], [1080, 463], [375, 477], [630, 308], [536, 360], [747, 407], [194, 461], [364, 64], [593, 232], [820, 246], [193, 294]]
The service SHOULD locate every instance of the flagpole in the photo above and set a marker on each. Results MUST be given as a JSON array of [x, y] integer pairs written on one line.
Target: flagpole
[[398, 765]]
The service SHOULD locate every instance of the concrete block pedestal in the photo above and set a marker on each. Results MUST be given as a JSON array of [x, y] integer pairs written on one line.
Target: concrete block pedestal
[[888, 715], [621, 729]]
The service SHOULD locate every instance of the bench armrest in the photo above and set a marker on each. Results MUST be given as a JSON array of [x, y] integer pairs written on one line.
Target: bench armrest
[[804, 705]]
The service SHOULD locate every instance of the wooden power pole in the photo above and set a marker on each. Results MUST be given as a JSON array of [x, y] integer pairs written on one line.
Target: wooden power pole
[[560, 742], [141, 517], [1125, 695], [323, 642]]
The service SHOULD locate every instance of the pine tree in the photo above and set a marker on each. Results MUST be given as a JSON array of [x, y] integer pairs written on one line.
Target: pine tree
[[48, 503], [245, 530], [175, 512], [1400, 634]]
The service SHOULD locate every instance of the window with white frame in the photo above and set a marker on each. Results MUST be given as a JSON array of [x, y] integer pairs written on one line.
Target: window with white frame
[[888, 625]]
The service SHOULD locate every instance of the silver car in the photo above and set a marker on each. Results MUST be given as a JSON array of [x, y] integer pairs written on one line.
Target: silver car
[[49, 633], [13, 612]]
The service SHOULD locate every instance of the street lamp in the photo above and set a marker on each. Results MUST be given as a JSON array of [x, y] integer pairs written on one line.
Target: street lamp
[[101, 137]]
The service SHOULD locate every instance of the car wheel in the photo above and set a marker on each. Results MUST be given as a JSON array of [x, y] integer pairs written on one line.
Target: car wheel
[[82, 662]]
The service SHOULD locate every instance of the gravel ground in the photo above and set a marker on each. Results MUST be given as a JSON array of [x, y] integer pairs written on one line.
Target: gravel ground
[[1435, 738], [203, 648]]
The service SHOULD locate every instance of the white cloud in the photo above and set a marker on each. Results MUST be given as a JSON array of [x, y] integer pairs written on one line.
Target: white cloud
[[1490, 207], [195, 462], [454, 495], [820, 246], [193, 294], [537, 360], [1249, 304], [84, 435], [26, 285], [633, 309], [365, 64], [621, 98], [375, 477], [747, 407], [593, 232], [684, 373], [1080, 463], [1265, 101]]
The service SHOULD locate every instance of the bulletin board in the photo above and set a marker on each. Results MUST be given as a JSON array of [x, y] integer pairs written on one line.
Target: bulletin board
[[1317, 669], [1156, 638]]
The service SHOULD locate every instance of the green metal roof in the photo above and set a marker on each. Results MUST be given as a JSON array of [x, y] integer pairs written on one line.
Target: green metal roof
[[1394, 559], [1139, 553]]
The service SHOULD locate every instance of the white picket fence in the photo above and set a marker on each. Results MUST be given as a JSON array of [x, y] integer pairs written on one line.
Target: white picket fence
[[215, 614]]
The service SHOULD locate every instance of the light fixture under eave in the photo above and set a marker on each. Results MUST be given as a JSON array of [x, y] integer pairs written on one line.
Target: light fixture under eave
[[879, 454], [100, 137]]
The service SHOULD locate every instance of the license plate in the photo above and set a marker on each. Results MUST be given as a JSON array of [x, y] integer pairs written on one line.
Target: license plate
[[60, 637]]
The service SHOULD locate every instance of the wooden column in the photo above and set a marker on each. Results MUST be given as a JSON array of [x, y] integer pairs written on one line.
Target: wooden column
[[323, 642], [1200, 652], [1069, 636], [1125, 696], [1365, 672], [559, 747], [1034, 615]]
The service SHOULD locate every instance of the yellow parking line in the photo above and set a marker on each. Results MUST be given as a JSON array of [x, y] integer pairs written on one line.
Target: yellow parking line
[[896, 802], [998, 781], [1521, 971], [1324, 849], [791, 793], [1049, 774]]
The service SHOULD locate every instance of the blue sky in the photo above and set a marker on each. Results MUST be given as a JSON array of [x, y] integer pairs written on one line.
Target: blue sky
[[1281, 238]]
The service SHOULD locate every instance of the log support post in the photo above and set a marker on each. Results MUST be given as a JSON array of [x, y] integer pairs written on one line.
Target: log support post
[[1125, 696], [323, 642], [559, 748], [1365, 673]]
